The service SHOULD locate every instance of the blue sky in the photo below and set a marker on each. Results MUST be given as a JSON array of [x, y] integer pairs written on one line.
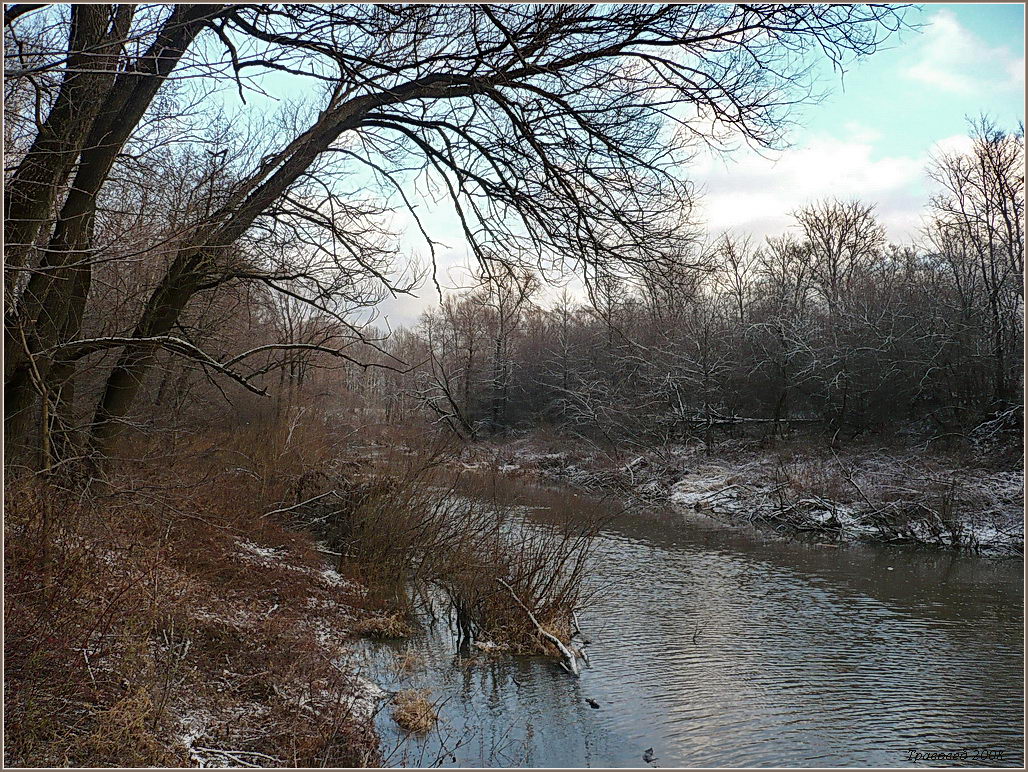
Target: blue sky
[[958, 62], [872, 137]]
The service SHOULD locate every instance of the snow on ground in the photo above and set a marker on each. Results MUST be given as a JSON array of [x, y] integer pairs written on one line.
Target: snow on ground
[[208, 731], [891, 496], [269, 557], [199, 725], [366, 697], [332, 578], [265, 556]]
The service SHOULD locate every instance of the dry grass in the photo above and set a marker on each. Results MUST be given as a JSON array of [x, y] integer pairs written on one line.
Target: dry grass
[[812, 476], [161, 618], [147, 622], [384, 626], [414, 711], [420, 526], [408, 661]]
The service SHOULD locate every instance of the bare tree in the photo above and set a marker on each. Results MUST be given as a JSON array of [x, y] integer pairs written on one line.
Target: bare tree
[[554, 131], [977, 225], [844, 238], [828, 328], [103, 97], [505, 297]]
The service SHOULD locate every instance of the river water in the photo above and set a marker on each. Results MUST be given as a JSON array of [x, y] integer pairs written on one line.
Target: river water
[[716, 646]]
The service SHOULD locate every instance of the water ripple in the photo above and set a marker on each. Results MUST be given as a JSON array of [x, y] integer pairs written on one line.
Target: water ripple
[[721, 649]]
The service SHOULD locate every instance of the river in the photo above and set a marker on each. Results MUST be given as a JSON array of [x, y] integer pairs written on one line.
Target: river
[[718, 646]]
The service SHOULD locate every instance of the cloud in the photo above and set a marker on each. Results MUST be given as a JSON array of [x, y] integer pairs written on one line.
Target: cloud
[[757, 195], [1015, 69], [744, 192], [953, 59], [748, 193], [957, 144]]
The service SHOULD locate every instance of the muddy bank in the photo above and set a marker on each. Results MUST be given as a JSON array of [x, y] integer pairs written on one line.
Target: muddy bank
[[874, 495]]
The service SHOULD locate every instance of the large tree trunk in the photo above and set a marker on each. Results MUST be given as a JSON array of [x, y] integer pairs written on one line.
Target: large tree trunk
[[54, 299], [194, 264], [96, 36], [161, 312], [196, 260]]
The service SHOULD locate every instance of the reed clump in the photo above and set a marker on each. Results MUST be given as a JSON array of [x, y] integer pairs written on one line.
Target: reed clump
[[414, 710], [408, 661], [384, 626], [423, 527]]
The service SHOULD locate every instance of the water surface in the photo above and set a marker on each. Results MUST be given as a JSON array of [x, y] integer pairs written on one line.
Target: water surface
[[716, 646]]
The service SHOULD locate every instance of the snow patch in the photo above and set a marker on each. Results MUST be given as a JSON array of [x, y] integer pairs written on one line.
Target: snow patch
[[884, 496], [237, 618], [255, 553]]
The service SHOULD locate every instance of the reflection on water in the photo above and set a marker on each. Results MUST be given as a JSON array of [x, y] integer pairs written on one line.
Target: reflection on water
[[717, 647]]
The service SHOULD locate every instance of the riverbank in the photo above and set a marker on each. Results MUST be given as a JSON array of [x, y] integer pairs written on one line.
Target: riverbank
[[204, 604], [143, 633], [175, 619], [874, 494]]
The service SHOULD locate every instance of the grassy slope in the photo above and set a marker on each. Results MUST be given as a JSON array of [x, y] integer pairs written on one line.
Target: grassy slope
[[156, 622]]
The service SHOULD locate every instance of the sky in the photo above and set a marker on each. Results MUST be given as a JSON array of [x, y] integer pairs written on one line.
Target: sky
[[871, 138]]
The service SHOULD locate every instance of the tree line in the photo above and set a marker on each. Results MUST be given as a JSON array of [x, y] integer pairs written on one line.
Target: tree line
[[827, 324]]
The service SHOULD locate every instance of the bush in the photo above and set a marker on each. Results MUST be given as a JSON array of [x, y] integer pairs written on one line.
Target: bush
[[425, 527]]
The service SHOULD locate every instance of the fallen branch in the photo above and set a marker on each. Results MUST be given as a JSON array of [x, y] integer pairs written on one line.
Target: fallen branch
[[570, 660], [297, 506], [232, 755]]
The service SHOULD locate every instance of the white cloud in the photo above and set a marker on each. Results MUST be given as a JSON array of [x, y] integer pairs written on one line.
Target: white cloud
[[953, 59], [756, 195], [749, 194], [958, 143], [1015, 68], [860, 133]]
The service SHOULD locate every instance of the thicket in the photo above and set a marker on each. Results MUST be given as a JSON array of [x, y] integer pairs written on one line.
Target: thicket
[[826, 327], [160, 619]]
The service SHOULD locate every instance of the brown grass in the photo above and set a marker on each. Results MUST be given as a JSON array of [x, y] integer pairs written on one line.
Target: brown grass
[[414, 711], [408, 661], [824, 478], [146, 621], [160, 617], [384, 626]]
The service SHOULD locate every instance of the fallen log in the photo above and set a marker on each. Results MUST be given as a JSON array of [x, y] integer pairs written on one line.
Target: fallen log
[[570, 662]]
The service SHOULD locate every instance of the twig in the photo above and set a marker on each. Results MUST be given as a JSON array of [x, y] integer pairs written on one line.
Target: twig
[[297, 506]]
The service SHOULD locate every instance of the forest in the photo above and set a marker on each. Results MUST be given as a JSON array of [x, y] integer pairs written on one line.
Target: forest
[[206, 414], [829, 325]]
